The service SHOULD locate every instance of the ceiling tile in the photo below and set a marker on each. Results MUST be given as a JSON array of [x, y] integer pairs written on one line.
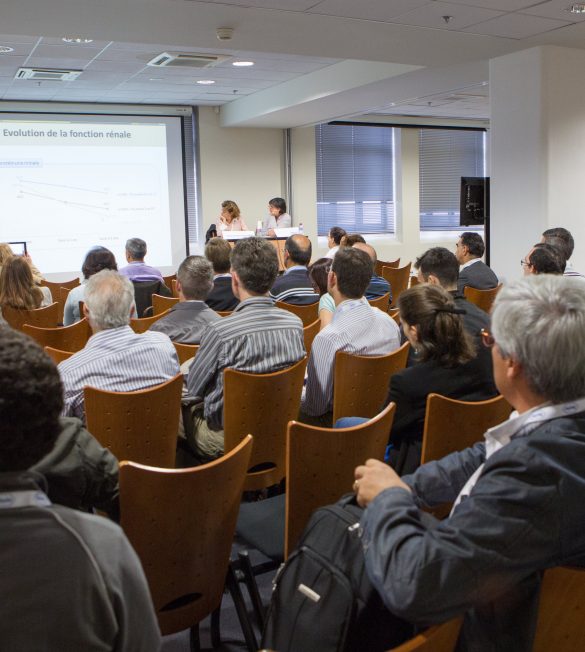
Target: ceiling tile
[[555, 9], [381, 10], [284, 5], [461, 16], [499, 5], [516, 26]]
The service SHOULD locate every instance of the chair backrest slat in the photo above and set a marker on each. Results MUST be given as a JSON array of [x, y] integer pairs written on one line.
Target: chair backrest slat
[[66, 338], [185, 351], [381, 302], [47, 317], [57, 355], [308, 313], [143, 324], [162, 304], [309, 334], [398, 277], [483, 299]]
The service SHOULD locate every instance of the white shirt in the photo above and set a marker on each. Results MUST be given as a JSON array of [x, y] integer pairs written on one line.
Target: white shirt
[[469, 263]]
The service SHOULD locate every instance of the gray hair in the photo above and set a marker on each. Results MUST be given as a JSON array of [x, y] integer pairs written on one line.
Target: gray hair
[[539, 321], [195, 274], [136, 248], [109, 298]]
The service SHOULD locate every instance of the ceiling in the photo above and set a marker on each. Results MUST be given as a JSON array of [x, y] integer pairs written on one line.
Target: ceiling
[[315, 60]]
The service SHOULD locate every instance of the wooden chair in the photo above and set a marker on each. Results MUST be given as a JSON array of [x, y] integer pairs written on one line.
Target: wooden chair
[[262, 405], [385, 263], [452, 425], [360, 383], [66, 338], [168, 280], [308, 313], [309, 334], [143, 292], [413, 281], [59, 293], [440, 638], [162, 304], [381, 302], [56, 355], [47, 317], [55, 287], [185, 351], [560, 611], [224, 313], [142, 325], [398, 278], [181, 524], [395, 314], [482, 298], [138, 426], [174, 288]]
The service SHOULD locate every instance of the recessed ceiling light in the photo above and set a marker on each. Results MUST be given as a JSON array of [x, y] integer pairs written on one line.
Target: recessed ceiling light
[[4, 49], [578, 8], [205, 82], [242, 64], [76, 39]]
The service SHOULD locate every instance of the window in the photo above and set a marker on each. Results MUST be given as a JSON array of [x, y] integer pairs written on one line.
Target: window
[[355, 178], [446, 155]]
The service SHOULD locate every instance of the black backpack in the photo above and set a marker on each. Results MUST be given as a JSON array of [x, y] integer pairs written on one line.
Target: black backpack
[[323, 600]]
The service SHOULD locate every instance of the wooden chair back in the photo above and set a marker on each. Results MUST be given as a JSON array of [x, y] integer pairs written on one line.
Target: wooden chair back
[[185, 351], [381, 302], [320, 463], [385, 263], [138, 426], [142, 325], [413, 281], [309, 333], [262, 405], [59, 294], [47, 317], [162, 304], [560, 611], [181, 522], [395, 314], [452, 425], [168, 280], [224, 313], [56, 286], [174, 290], [308, 313], [66, 338], [143, 291], [57, 355], [398, 278], [440, 638], [482, 298], [361, 382]]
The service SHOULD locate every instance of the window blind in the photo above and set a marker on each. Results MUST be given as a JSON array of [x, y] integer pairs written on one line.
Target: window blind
[[355, 178], [446, 155]]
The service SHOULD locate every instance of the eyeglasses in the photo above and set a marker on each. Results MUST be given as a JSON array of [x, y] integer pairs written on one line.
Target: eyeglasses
[[525, 263], [487, 339]]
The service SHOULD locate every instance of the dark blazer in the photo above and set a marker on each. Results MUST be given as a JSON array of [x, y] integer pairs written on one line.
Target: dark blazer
[[221, 296], [478, 276]]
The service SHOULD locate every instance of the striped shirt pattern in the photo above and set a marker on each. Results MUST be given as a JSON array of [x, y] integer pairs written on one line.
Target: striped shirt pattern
[[295, 287], [357, 328], [257, 338], [118, 360], [378, 287]]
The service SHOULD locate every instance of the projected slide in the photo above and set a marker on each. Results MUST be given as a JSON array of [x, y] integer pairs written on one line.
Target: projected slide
[[68, 186]]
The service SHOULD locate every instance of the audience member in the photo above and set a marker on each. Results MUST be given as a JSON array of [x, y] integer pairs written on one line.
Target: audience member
[[18, 289], [278, 218], [6, 253], [115, 358], [96, 259], [221, 297], [356, 327], [258, 338], [70, 581], [137, 270], [349, 239], [188, 319], [294, 286], [473, 272], [230, 218], [318, 273], [378, 286], [334, 240], [518, 496], [561, 238], [543, 258]]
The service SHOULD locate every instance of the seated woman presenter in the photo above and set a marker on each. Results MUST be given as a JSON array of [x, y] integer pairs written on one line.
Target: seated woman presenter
[[230, 218], [278, 218], [17, 287], [318, 273]]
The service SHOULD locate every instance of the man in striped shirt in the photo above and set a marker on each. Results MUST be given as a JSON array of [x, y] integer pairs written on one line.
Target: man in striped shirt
[[295, 286], [257, 338], [356, 327], [115, 358], [562, 239]]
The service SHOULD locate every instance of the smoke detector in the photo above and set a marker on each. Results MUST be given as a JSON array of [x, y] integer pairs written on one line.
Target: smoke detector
[[47, 74], [187, 60], [224, 33]]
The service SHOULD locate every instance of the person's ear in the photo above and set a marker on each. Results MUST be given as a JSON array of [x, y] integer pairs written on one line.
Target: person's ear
[[432, 280], [85, 311]]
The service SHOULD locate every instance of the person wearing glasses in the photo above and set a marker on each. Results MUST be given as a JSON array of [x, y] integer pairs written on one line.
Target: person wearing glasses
[[473, 272], [544, 258], [518, 496]]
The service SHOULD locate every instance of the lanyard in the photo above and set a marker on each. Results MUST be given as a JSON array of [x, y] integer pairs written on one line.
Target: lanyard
[[27, 498]]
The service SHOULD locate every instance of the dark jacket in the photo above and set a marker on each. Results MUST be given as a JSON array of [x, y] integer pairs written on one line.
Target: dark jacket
[[221, 296], [478, 276], [525, 514]]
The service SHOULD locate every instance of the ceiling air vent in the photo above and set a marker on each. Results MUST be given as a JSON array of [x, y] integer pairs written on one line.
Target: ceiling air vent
[[187, 60], [47, 74]]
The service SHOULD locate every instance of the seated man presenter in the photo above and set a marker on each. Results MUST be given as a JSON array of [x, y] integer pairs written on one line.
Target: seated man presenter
[[518, 496], [257, 338], [295, 286], [188, 319], [356, 327], [137, 270], [70, 581]]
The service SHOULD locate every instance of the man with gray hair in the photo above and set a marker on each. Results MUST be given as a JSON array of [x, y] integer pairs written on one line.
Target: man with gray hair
[[518, 496], [115, 358], [137, 269], [188, 319]]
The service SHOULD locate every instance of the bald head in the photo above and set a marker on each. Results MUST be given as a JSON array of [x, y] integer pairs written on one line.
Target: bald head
[[368, 249], [298, 247]]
